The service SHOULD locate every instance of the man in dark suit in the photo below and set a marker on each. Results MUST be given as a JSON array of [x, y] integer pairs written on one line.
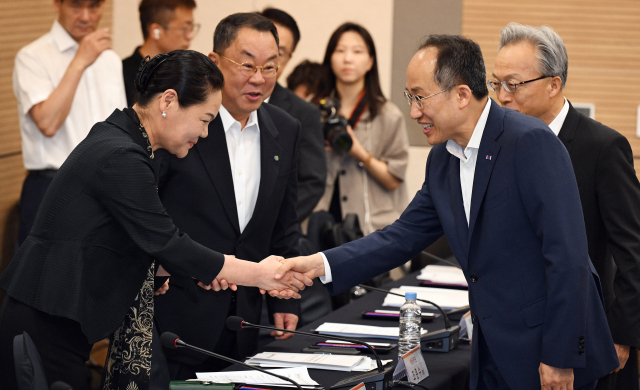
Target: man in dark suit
[[312, 168], [500, 186], [235, 192], [603, 164]]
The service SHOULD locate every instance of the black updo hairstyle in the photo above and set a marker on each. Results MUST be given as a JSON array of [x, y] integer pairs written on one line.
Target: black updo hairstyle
[[193, 76]]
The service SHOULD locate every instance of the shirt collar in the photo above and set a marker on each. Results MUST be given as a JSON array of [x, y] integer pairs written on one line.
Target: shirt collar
[[557, 123], [63, 40], [228, 120], [476, 136]]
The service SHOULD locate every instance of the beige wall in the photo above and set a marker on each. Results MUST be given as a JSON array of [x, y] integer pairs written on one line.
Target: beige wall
[[316, 20], [603, 43]]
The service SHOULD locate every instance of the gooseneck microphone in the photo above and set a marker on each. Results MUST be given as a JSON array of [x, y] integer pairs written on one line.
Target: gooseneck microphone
[[374, 381], [443, 340], [171, 340], [447, 324]]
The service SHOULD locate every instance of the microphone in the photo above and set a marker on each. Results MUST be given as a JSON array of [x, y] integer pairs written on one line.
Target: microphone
[[59, 385], [443, 340], [172, 341], [373, 380]]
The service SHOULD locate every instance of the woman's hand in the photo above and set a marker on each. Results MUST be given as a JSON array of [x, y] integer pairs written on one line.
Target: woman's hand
[[163, 289], [288, 285], [357, 151]]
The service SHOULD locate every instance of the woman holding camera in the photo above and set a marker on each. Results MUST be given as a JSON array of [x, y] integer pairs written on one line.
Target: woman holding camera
[[368, 179], [86, 270]]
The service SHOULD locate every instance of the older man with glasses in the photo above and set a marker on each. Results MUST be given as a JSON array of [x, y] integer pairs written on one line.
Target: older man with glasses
[[236, 191], [603, 163]]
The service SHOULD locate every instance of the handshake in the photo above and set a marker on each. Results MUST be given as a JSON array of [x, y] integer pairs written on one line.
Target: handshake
[[280, 277]]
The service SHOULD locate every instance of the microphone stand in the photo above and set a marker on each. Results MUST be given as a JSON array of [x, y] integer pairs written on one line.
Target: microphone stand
[[179, 343], [381, 380], [443, 340]]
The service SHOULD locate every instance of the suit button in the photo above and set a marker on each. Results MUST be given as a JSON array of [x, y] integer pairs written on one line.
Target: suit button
[[343, 172], [474, 278], [344, 198], [474, 319]]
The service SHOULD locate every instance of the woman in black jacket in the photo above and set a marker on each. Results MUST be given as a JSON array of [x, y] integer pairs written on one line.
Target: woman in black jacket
[[86, 270]]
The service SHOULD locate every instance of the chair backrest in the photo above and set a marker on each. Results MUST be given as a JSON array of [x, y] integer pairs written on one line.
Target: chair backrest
[[29, 371]]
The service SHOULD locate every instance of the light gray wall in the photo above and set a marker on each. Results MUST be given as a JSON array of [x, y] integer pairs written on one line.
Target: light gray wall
[[412, 21]]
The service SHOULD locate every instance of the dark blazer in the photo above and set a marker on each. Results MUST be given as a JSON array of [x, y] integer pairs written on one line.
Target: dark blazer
[[532, 288], [130, 66], [610, 196], [199, 195], [98, 229], [312, 167]]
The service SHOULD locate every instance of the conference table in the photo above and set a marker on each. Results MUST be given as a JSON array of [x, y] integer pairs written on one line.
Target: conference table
[[447, 371]]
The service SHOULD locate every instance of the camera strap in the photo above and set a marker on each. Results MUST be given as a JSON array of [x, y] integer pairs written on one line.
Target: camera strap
[[358, 111]]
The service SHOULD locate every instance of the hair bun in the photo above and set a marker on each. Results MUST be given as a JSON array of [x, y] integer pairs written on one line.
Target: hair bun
[[146, 69]]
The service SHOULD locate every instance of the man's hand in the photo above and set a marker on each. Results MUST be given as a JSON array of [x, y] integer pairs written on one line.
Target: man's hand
[[284, 321], [623, 355], [307, 267], [289, 283], [552, 378], [91, 46]]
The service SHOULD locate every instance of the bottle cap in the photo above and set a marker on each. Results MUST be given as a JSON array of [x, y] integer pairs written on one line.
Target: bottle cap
[[410, 296]]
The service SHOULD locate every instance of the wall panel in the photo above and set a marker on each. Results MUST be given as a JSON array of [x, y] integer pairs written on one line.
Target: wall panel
[[21, 22], [603, 43]]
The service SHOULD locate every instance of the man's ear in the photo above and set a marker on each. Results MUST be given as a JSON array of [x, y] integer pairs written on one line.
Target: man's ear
[[215, 57], [555, 87], [464, 95]]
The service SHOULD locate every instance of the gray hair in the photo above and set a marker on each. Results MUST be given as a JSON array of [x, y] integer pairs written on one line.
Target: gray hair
[[550, 50]]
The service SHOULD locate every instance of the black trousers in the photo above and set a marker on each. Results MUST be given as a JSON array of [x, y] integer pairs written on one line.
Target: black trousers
[[62, 346], [33, 190], [490, 377], [625, 379]]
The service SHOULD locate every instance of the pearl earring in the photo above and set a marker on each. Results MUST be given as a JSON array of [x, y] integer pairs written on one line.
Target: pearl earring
[[164, 114]]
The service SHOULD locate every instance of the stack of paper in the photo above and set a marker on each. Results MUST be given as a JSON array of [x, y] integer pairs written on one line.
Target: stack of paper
[[445, 275], [446, 298], [251, 377], [313, 360], [357, 331]]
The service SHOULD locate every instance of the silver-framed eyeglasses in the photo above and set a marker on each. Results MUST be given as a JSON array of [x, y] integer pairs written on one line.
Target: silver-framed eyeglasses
[[189, 28], [248, 69], [417, 99], [510, 86]]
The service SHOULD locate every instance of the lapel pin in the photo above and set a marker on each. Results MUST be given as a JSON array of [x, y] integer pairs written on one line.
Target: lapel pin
[[276, 158], [488, 157]]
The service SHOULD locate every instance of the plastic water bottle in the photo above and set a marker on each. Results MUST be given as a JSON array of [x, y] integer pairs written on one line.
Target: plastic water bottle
[[410, 318]]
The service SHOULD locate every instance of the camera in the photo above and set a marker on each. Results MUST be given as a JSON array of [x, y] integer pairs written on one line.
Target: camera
[[335, 126]]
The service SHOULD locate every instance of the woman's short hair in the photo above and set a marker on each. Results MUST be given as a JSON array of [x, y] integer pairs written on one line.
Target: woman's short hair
[[550, 49], [190, 73], [373, 93]]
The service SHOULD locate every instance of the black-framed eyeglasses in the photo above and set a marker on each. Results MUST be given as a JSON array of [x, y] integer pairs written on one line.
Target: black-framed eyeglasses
[[417, 99], [248, 69], [510, 86]]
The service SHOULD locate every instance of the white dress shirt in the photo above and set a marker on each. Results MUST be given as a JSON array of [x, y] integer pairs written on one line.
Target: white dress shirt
[[558, 121], [39, 67], [244, 155], [467, 157]]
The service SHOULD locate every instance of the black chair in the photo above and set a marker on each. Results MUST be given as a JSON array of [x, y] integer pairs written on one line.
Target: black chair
[[29, 371]]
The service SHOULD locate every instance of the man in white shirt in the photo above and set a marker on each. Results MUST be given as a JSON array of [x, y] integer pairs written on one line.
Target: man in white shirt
[[500, 186], [236, 192], [65, 82], [533, 63]]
